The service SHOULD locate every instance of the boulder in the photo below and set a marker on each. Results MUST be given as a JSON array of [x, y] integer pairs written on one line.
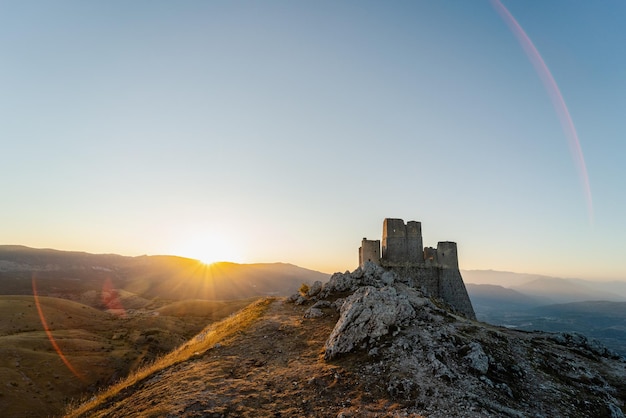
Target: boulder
[[315, 289], [369, 313], [477, 359], [313, 313]]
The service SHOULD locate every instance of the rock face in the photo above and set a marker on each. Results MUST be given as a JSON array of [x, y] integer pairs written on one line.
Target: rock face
[[369, 313], [438, 364]]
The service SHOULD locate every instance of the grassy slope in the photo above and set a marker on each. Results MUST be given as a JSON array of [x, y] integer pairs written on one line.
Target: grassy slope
[[213, 310], [30, 367], [204, 341], [102, 347]]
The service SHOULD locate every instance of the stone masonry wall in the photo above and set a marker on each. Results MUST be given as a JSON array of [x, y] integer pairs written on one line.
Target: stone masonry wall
[[414, 246], [435, 281], [446, 255], [394, 240], [452, 290], [369, 251]]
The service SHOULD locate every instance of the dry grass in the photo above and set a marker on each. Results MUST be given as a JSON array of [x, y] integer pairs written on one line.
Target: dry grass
[[202, 342], [100, 346], [212, 310], [269, 363]]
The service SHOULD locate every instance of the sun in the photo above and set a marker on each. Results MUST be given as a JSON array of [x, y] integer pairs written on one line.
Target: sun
[[209, 250]]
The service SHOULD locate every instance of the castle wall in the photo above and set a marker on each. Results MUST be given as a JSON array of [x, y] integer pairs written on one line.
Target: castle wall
[[394, 247], [437, 282], [430, 256], [418, 277], [369, 251], [452, 290], [447, 255], [414, 246]]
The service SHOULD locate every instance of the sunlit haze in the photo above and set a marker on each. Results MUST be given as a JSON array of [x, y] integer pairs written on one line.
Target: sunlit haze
[[287, 131]]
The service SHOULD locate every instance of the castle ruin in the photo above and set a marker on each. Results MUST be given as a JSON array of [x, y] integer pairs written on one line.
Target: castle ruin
[[433, 270]]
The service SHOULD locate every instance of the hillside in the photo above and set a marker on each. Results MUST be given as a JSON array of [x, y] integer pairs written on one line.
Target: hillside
[[563, 291], [76, 275], [488, 298], [365, 344], [549, 289], [101, 347], [108, 315], [602, 320]]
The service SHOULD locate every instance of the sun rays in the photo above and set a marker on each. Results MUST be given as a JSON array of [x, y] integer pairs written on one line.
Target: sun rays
[[208, 247]]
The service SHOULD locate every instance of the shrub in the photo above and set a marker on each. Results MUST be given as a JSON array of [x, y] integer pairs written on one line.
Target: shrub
[[304, 289]]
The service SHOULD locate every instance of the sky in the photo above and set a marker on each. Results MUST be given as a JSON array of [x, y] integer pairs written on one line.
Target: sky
[[286, 131]]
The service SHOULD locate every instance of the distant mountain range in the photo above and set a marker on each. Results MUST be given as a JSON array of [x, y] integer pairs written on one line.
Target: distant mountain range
[[548, 289], [72, 275], [531, 302]]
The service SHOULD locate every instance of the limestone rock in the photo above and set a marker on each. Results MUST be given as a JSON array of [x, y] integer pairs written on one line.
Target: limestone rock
[[368, 313], [320, 304], [441, 363], [388, 278], [477, 358], [313, 312], [339, 282], [293, 298], [315, 289], [337, 304]]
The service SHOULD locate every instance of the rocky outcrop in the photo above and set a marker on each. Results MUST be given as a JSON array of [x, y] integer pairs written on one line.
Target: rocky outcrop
[[439, 363], [369, 313]]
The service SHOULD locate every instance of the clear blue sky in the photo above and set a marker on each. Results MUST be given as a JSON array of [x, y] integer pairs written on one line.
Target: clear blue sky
[[286, 131]]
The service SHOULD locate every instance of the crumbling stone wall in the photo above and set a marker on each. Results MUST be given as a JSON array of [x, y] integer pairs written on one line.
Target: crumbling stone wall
[[430, 256], [369, 251]]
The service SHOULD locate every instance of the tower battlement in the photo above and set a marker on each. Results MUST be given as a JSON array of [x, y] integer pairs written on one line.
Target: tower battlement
[[403, 244]]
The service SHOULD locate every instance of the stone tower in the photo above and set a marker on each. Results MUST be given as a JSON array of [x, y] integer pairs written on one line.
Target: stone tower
[[402, 243], [414, 247], [394, 240], [369, 251], [446, 255]]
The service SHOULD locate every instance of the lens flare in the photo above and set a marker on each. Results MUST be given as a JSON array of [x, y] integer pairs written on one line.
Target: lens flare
[[555, 96], [46, 328], [111, 299]]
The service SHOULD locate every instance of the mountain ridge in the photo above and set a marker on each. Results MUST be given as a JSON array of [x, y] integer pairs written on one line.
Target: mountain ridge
[[157, 276], [516, 281]]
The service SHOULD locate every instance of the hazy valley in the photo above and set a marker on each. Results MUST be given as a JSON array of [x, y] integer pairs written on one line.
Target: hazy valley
[[530, 302]]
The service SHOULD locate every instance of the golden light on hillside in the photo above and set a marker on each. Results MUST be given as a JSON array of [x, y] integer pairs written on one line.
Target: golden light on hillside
[[190, 279]]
